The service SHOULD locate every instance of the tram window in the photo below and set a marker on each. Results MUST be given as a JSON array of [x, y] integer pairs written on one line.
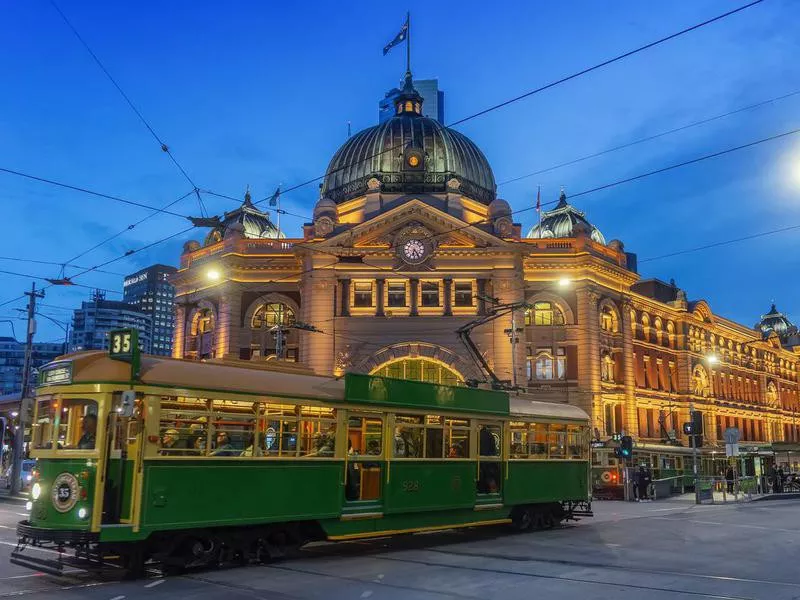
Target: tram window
[[233, 426], [519, 439], [408, 436], [457, 432], [490, 440], [317, 431], [557, 441], [576, 442], [434, 437], [183, 426], [365, 436], [537, 440], [72, 422]]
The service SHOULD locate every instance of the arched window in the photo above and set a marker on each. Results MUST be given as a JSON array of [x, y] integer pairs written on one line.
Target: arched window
[[271, 314], [700, 386], [608, 320], [772, 394], [545, 366], [544, 313], [409, 106], [607, 367], [671, 334], [419, 369]]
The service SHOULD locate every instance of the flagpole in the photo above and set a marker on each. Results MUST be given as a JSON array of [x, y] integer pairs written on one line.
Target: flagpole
[[539, 208], [408, 43], [279, 214]]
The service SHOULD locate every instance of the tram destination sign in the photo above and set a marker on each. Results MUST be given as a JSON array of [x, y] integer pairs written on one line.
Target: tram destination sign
[[123, 345], [56, 373]]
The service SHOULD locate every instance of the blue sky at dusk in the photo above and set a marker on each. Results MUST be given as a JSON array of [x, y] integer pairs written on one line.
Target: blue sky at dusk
[[260, 93]]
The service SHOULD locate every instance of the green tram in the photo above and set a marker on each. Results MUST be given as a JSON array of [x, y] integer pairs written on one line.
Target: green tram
[[195, 464]]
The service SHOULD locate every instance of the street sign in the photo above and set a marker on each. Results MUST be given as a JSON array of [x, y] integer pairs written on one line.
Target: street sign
[[731, 450], [731, 435]]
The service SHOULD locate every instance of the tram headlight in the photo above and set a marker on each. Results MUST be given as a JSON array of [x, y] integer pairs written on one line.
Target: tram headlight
[[29, 506], [36, 491], [82, 513]]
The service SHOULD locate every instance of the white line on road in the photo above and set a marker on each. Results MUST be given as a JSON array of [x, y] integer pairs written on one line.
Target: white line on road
[[731, 525], [153, 584], [118, 598]]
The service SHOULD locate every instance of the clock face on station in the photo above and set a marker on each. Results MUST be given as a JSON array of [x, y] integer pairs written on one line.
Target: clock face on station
[[414, 251], [413, 160]]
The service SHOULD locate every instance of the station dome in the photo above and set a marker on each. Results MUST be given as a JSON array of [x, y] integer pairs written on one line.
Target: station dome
[[562, 221], [777, 322], [409, 153]]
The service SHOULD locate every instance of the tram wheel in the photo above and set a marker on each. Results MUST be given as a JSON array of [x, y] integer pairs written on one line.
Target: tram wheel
[[548, 521], [523, 519]]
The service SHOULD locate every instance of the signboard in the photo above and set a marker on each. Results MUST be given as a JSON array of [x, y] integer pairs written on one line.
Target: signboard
[[123, 345], [57, 373], [135, 279], [732, 435], [731, 449]]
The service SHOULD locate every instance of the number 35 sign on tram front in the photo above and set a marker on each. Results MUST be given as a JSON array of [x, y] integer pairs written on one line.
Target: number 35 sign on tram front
[[123, 344]]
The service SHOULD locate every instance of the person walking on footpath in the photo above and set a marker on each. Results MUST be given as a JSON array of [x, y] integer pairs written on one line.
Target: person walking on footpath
[[729, 478]]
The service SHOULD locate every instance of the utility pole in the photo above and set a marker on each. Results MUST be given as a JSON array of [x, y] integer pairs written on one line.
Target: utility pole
[[693, 438], [513, 333], [19, 433]]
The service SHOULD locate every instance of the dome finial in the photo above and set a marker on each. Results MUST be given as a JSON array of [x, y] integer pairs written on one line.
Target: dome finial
[[409, 100], [248, 201], [562, 198]]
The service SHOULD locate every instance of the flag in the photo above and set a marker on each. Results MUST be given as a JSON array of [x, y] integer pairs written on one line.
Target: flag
[[539, 199], [274, 200], [398, 39]]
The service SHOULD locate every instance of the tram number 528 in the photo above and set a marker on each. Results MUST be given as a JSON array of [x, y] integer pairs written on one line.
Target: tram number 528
[[411, 486]]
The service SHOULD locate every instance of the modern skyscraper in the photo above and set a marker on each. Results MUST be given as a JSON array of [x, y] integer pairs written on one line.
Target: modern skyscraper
[[93, 320], [151, 292], [12, 359], [432, 101]]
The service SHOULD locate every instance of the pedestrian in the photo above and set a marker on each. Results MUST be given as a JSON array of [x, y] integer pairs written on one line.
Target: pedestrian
[[648, 480], [642, 484], [774, 479], [636, 479], [729, 478], [781, 480]]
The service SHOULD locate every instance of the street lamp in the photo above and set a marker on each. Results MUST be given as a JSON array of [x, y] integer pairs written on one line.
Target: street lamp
[[712, 359], [564, 282], [213, 274]]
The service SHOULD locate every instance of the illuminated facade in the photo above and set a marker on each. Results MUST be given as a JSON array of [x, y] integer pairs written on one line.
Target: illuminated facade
[[409, 242]]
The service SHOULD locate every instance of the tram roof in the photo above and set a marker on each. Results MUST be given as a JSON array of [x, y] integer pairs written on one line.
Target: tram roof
[[525, 407], [269, 380]]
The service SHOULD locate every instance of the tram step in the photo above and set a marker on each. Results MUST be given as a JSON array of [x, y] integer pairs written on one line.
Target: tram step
[[45, 565]]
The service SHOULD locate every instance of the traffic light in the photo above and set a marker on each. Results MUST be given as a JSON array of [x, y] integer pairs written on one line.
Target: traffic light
[[626, 446]]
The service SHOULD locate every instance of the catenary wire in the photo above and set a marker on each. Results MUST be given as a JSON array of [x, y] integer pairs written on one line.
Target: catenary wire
[[53, 263], [91, 192], [650, 137], [122, 93]]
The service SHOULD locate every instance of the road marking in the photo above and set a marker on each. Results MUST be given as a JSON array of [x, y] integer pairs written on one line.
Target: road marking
[[698, 522], [118, 598], [153, 584], [366, 594]]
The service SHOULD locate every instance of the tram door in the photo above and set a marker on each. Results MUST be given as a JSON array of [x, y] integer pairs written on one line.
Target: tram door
[[123, 467], [489, 482], [365, 460]]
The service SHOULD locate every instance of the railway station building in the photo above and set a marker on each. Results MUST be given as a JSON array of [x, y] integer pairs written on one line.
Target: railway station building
[[409, 243]]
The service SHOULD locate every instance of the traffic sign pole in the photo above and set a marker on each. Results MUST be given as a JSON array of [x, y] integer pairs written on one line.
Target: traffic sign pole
[[694, 457]]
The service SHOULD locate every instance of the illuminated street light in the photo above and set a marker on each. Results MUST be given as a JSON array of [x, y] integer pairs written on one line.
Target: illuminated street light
[[712, 359], [564, 282], [213, 274]]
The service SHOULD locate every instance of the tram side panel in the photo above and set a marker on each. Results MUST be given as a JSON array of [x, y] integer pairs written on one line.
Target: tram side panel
[[182, 494], [539, 482]]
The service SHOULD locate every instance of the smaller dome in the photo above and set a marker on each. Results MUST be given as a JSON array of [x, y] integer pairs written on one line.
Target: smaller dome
[[499, 208], [325, 207], [564, 221], [777, 322], [246, 221]]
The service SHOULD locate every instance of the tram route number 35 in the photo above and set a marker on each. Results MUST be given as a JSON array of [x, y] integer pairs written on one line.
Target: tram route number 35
[[411, 486], [121, 342]]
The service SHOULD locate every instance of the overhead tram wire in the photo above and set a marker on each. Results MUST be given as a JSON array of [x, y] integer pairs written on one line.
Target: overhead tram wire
[[540, 89], [162, 145], [650, 137], [76, 188], [53, 263]]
